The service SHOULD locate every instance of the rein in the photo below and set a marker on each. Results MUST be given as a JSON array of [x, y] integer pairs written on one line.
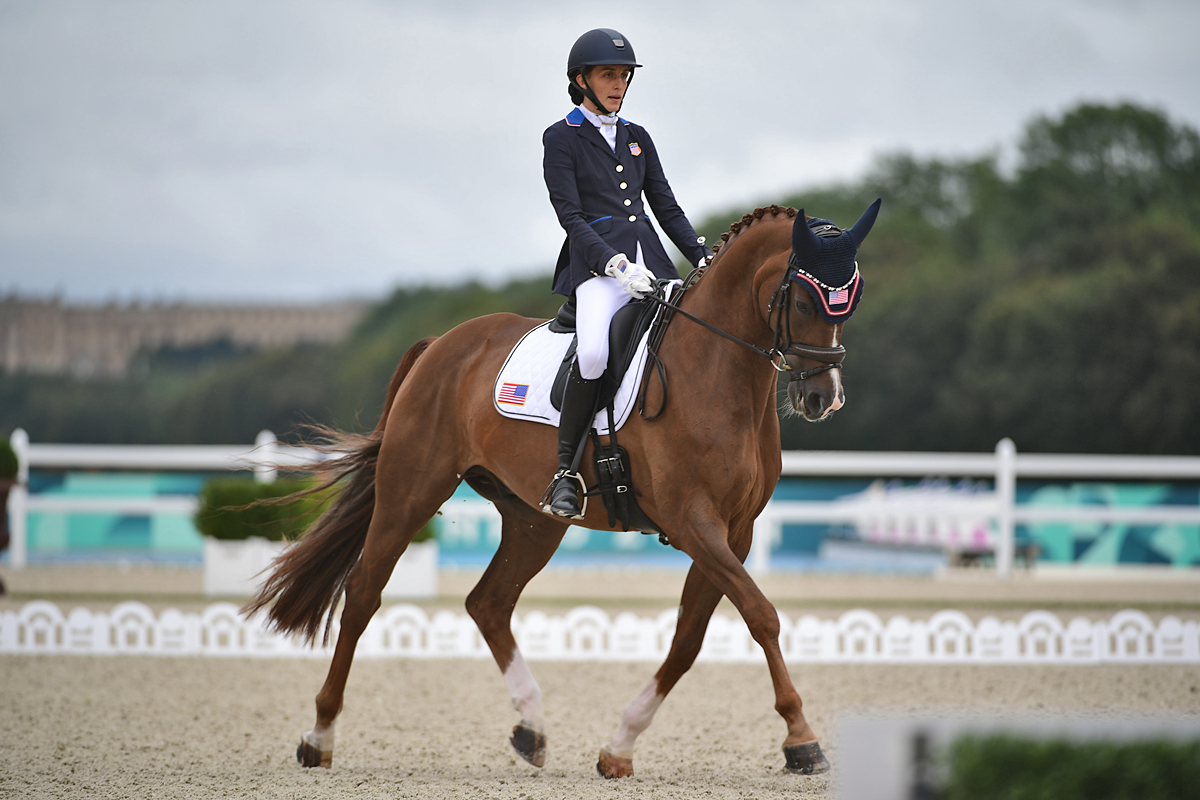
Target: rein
[[830, 357]]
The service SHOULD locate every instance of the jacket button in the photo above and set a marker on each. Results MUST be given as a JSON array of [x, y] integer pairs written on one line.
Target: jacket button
[[624, 185], [628, 202], [632, 218], [620, 168]]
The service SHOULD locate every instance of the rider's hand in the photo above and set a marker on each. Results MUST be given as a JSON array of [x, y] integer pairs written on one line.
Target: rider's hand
[[705, 259], [635, 279]]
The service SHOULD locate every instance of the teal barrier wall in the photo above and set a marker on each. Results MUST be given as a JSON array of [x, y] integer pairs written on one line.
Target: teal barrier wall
[[56, 536], [1118, 543], [173, 537]]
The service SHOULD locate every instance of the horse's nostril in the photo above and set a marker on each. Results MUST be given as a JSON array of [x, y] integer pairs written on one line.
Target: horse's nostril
[[815, 403]]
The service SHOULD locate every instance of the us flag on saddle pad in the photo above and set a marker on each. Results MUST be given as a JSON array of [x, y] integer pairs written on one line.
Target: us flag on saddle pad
[[839, 296], [513, 393]]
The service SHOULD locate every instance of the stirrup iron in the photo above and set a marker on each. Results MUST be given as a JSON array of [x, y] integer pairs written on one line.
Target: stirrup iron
[[548, 495]]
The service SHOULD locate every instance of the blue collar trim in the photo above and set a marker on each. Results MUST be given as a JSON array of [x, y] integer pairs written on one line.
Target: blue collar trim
[[576, 118]]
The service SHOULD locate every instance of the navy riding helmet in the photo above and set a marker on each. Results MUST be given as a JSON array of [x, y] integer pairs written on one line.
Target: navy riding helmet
[[597, 47], [824, 261]]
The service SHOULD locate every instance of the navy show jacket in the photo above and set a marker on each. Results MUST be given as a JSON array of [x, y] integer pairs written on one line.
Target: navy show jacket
[[597, 194]]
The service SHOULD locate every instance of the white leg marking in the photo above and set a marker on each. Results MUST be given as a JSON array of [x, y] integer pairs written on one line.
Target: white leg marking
[[320, 739], [637, 718], [525, 692]]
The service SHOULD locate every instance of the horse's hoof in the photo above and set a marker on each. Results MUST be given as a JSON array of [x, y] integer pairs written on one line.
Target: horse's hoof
[[610, 766], [529, 744], [805, 759], [310, 756]]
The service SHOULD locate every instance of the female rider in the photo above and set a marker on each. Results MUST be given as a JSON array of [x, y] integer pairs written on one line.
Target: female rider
[[597, 167]]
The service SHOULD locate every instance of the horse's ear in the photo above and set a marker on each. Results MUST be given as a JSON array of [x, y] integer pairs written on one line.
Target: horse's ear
[[858, 232], [804, 242]]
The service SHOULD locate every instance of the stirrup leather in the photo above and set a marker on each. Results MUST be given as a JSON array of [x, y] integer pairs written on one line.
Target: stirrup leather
[[547, 496]]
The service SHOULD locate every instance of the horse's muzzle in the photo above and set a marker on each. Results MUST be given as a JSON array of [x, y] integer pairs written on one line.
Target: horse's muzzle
[[816, 398]]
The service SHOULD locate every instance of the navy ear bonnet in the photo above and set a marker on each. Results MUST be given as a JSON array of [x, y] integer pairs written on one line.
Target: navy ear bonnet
[[824, 261]]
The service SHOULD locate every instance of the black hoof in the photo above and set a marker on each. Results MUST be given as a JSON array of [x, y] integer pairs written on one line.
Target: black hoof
[[529, 744], [309, 756], [805, 759]]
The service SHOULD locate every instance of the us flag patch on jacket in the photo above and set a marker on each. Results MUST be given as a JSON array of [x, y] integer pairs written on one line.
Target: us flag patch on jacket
[[635, 148], [513, 393]]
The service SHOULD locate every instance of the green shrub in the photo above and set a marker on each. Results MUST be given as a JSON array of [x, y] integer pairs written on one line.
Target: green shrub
[[8, 461], [227, 510], [983, 768], [427, 533]]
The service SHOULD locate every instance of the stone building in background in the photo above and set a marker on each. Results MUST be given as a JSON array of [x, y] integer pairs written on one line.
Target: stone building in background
[[50, 337]]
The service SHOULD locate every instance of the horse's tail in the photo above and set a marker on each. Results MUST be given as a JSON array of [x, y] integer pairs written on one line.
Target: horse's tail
[[308, 578]]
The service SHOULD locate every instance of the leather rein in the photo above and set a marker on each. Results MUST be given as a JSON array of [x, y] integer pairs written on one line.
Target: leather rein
[[781, 348]]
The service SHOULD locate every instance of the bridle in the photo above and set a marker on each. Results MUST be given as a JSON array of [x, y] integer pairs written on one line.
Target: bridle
[[781, 348], [781, 307]]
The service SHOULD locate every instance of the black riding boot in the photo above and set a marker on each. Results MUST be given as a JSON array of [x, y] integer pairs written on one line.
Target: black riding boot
[[578, 409]]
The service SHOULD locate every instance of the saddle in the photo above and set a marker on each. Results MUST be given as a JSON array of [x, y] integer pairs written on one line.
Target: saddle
[[614, 479], [625, 331]]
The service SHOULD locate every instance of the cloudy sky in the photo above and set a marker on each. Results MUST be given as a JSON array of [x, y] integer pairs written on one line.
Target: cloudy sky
[[307, 150]]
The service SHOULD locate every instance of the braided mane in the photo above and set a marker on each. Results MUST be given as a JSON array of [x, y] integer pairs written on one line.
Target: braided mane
[[744, 222]]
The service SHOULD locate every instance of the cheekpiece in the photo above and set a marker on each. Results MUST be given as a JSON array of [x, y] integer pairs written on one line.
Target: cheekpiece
[[824, 260]]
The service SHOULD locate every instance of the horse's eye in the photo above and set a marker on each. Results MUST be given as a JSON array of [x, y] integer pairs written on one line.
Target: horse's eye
[[803, 308]]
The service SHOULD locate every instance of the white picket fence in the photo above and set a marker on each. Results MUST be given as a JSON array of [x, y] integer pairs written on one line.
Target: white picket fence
[[587, 633]]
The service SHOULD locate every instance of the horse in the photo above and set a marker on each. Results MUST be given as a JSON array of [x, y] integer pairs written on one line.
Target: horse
[[705, 467]]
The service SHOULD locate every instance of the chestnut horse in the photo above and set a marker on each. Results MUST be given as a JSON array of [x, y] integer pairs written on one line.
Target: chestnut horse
[[705, 469]]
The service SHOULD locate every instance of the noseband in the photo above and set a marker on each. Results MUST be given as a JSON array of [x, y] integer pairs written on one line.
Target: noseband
[[781, 307]]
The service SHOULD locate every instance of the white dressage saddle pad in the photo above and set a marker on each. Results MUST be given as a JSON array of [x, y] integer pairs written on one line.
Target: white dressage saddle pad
[[522, 389]]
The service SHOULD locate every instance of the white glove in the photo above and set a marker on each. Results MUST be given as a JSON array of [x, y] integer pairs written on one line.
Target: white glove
[[635, 279]]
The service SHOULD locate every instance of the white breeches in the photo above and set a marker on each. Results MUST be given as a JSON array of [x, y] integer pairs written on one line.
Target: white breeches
[[596, 301]]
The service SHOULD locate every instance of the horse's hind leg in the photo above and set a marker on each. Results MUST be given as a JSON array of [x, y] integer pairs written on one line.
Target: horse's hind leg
[[528, 541], [402, 505]]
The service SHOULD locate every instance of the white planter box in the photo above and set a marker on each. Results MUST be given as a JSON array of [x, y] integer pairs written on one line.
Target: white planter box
[[416, 573], [232, 567]]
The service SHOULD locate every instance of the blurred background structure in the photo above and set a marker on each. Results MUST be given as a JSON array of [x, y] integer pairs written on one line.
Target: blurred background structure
[[221, 219]]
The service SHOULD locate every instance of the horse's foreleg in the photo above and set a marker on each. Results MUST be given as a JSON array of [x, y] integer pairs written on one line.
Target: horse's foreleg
[[528, 540], [696, 607], [713, 553]]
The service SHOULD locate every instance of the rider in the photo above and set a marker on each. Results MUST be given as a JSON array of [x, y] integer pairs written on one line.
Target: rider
[[597, 167]]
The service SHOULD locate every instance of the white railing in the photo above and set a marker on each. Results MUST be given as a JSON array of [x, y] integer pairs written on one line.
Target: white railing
[[265, 459], [1004, 467], [587, 633]]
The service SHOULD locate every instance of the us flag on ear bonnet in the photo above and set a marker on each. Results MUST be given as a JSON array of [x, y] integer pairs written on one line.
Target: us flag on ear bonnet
[[824, 261]]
